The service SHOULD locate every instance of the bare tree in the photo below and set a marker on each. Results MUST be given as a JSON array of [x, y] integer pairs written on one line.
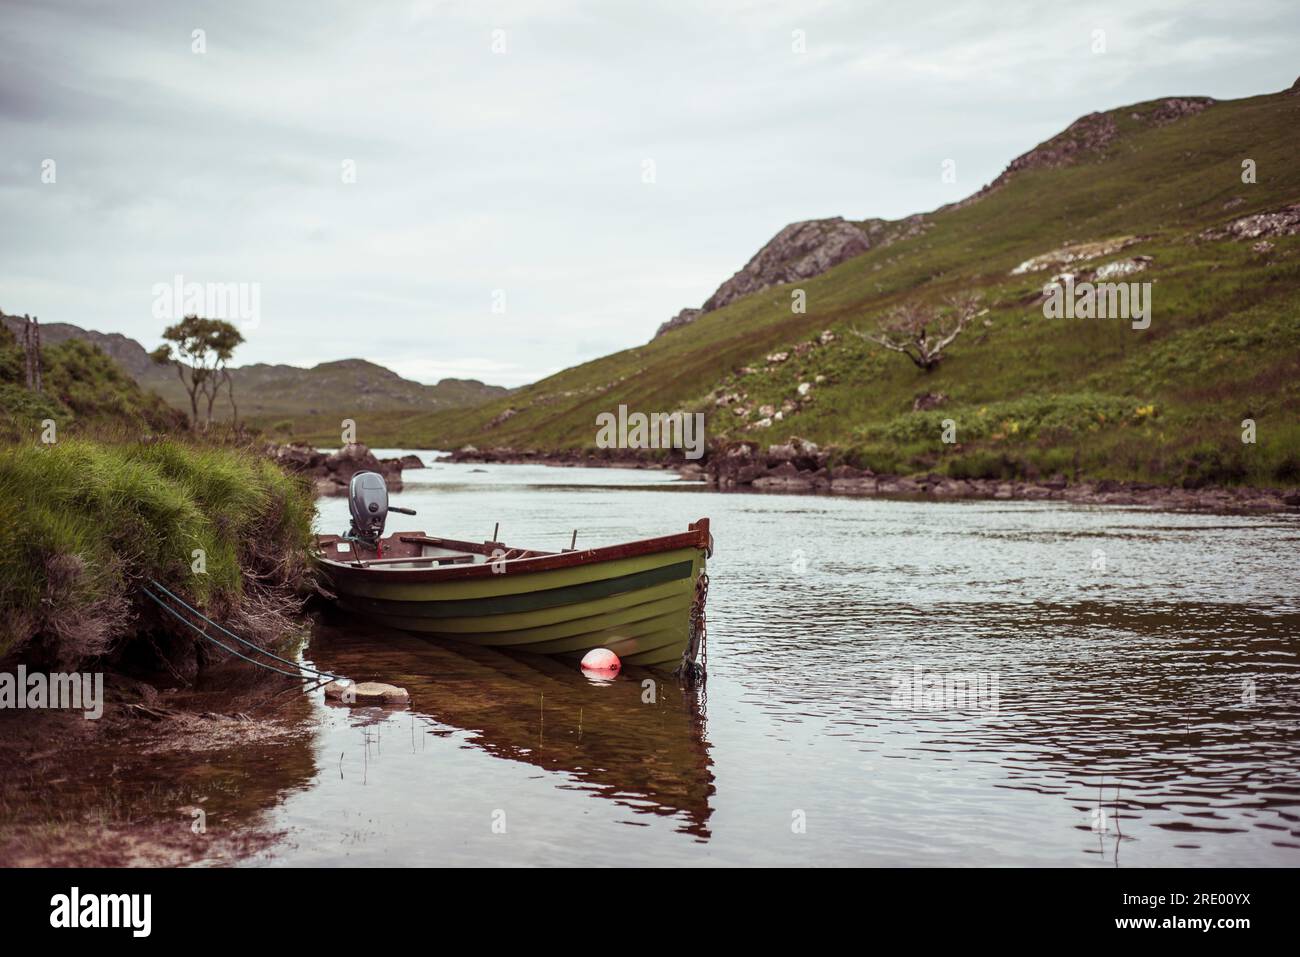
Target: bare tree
[[922, 332]]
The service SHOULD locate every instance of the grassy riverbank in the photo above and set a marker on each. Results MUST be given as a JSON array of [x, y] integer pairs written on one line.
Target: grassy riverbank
[[84, 523]]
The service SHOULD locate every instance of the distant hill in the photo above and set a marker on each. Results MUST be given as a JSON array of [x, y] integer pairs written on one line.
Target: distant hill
[[265, 392], [1152, 192], [284, 395]]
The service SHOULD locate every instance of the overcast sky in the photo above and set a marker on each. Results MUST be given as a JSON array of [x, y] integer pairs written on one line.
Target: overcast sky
[[524, 170]]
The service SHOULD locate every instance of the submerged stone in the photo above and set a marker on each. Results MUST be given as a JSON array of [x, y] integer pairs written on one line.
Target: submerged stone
[[365, 692]]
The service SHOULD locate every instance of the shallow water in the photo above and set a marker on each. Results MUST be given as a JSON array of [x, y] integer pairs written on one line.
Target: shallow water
[[1132, 698]]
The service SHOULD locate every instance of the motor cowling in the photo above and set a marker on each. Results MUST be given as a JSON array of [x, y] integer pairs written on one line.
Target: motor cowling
[[368, 502]]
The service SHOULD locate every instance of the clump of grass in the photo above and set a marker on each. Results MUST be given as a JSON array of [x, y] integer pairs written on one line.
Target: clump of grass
[[1019, 420], [985, 464], [22, 412], [1210, 464], [83, 524]]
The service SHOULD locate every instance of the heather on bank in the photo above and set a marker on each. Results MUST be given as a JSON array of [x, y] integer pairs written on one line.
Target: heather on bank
[[84, 523]]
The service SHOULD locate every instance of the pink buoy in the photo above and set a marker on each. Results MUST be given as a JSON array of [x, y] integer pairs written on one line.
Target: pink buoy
[[601, 660]]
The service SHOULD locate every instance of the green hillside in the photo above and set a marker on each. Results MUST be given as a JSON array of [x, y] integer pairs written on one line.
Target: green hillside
[[1027, 394], [83, 389]]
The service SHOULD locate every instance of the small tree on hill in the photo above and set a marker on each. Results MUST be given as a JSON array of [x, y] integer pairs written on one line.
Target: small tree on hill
[[199, 349], [921, 332]]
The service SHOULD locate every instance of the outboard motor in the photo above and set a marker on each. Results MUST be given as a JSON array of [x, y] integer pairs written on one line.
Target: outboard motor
[[368, 502]]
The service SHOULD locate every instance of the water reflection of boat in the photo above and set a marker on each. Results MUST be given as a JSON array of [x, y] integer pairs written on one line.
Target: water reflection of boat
[[638, 740], [636, 599]]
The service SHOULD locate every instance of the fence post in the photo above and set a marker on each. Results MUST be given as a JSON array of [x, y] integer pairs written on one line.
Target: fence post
[[36, 353]]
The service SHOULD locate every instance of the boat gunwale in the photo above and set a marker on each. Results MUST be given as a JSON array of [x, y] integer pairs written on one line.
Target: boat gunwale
[[696, 537]]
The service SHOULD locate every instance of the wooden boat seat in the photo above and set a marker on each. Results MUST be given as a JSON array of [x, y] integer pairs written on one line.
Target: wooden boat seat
[[487, 549], [460, 558]]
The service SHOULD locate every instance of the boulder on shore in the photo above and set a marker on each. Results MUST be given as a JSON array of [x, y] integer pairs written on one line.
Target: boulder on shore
[[331, 473], [798, 465], [803, 455]]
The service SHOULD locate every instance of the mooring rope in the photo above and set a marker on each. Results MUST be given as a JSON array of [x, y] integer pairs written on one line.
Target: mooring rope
[[695, 659], [300, 668], [203, 634], [243, 641]]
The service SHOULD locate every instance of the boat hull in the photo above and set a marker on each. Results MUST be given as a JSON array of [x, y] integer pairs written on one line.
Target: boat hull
[[634, 600]]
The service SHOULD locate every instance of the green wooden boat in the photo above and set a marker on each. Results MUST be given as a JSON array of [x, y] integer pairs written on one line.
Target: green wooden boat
[[643, 600]]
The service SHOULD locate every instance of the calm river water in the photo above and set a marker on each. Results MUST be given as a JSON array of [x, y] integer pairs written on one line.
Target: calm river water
[[1117, 687]]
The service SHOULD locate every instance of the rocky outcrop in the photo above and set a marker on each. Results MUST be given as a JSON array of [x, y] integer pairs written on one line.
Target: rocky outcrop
[[1279, 222], [502, 417], [1174, 109], [1075, 253], [331, 472], [296, 457], [802, 251], [683, 318], [1121, 267], [1090, 136]]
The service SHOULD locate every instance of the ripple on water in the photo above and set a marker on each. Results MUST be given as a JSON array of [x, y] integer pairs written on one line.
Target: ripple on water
[[1145, 709]]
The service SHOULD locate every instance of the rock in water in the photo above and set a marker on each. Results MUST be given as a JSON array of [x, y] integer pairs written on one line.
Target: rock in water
[[366, 692], [331, 473]]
